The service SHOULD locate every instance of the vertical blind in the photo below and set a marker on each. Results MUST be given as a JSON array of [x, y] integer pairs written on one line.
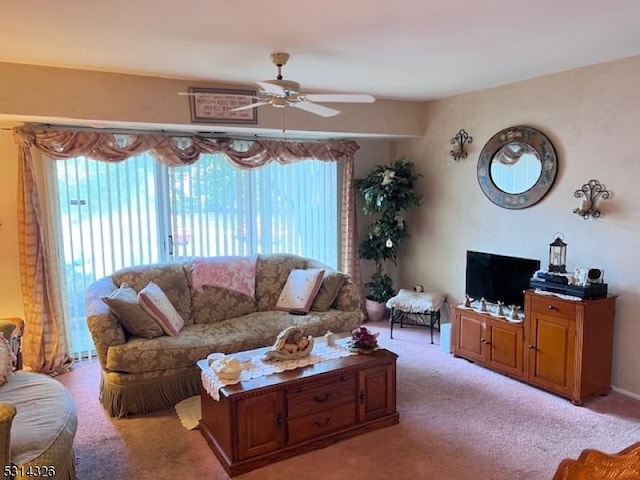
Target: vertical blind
[[113, 215]]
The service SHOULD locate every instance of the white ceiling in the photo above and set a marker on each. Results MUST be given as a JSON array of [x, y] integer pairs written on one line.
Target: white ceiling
[[402, 49]]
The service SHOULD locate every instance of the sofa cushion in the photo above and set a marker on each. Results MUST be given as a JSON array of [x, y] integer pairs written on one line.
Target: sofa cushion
[[154, 301], [331, 284], [195, 342], [170, 277], [272, 272], [124, 304], [300, 290], [45, 423], [214, 304]]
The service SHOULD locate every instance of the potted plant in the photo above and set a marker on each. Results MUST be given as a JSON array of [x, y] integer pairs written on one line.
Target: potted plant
[[387, 191]]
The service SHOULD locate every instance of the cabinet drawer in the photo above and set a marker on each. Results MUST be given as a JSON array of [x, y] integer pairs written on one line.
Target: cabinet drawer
[[315, 398], [553, 306], [319, 423]]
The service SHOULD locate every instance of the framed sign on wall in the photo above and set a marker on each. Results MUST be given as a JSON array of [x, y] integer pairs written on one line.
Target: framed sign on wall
[[215, 105]]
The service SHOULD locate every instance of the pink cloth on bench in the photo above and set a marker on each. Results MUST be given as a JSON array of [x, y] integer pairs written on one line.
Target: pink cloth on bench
[[233, 273]]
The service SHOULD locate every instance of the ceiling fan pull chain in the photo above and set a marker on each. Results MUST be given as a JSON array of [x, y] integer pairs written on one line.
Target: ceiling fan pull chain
[[284, 128]]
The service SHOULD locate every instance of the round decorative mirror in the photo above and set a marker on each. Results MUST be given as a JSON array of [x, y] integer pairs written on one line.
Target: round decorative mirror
[[517, 167]]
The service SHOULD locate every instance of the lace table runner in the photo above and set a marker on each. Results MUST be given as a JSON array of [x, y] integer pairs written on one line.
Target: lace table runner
[[559, 295], [259, 368]]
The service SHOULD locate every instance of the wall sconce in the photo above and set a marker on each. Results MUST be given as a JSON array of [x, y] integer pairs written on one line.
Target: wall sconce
[[591, 191], [458, 142]]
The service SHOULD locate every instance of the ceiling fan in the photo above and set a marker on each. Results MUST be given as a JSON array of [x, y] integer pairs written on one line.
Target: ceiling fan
[[282, 93]]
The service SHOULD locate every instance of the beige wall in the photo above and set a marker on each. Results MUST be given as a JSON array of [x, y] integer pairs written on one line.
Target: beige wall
[[10, 293], [591, 116]]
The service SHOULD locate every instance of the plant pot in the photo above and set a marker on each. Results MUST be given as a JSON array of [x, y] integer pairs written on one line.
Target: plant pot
[[363, 351], [375, 311]]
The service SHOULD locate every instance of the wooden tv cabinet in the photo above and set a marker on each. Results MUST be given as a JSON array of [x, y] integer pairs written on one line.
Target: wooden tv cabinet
[[267, 419], [563, 346]]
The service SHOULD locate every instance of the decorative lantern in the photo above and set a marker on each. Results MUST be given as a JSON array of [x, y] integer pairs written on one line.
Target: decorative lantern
[[558, 256]]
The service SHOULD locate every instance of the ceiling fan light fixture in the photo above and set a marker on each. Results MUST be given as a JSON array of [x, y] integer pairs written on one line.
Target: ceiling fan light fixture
[[279, 102], [279, 58]]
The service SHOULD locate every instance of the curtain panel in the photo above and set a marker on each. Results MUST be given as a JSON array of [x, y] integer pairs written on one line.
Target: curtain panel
[[45, 346]]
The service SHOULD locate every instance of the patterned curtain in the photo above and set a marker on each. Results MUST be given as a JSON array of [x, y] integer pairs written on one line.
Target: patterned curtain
[[349, 259], [45, 339]]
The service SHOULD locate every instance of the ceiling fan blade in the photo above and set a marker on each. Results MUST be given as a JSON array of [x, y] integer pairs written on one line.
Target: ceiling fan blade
[[315, 108], [247, 107], [272, 89], [339, 98]]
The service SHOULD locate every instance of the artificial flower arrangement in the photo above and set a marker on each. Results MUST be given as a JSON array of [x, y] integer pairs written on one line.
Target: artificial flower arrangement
[[363, 340]]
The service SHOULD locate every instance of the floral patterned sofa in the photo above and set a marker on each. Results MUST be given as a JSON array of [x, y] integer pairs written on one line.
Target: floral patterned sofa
[[144, 374]]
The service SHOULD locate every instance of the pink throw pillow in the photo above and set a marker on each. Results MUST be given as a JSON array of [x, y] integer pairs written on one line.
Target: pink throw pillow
[[300, 290], [234, 273], [154, 301]]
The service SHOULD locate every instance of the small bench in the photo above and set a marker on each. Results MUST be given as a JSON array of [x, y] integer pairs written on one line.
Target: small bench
[[416, 308]]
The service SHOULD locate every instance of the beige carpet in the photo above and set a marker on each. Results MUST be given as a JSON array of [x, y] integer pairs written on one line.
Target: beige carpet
[[458, 421]]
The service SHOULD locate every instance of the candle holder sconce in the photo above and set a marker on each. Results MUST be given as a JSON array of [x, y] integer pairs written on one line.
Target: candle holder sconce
[[458, 142], [590, 193]]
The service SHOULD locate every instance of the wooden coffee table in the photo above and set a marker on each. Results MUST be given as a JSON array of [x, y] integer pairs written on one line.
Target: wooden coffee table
[[266, 419]]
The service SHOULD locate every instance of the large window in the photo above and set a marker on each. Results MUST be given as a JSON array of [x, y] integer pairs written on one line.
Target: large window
[[112, 215]]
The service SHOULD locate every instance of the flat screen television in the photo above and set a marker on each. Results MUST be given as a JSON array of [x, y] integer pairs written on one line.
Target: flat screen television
[[498, 277]]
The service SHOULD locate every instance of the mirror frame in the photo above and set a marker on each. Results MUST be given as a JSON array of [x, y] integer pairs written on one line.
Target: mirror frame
[[541, 144]]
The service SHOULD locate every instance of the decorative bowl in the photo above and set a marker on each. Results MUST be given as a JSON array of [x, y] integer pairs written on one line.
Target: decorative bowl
[[214, 356], [290, 344], [227, 369]]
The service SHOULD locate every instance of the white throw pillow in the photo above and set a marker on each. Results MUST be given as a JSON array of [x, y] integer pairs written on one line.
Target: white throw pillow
[[300, 290], [154, 301]]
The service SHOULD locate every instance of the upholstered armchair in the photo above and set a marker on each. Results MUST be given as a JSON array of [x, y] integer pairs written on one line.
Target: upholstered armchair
[[12, 329]]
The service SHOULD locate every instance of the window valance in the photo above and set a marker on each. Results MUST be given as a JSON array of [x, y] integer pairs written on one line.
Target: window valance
[[182, 150]]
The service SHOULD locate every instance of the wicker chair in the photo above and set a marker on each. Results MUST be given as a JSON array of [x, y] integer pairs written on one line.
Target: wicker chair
[[595, 465]]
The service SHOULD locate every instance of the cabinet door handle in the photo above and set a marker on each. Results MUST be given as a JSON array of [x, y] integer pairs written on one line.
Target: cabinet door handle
[[532, 347], [551, 307], [323, 398], [322, 423], [279, 419], [363, 397]]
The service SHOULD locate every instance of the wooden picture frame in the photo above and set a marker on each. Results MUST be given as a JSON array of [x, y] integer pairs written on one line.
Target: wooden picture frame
[[214, 105]]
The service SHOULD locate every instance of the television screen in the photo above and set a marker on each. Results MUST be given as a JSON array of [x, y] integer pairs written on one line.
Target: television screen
[[498, 277]]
